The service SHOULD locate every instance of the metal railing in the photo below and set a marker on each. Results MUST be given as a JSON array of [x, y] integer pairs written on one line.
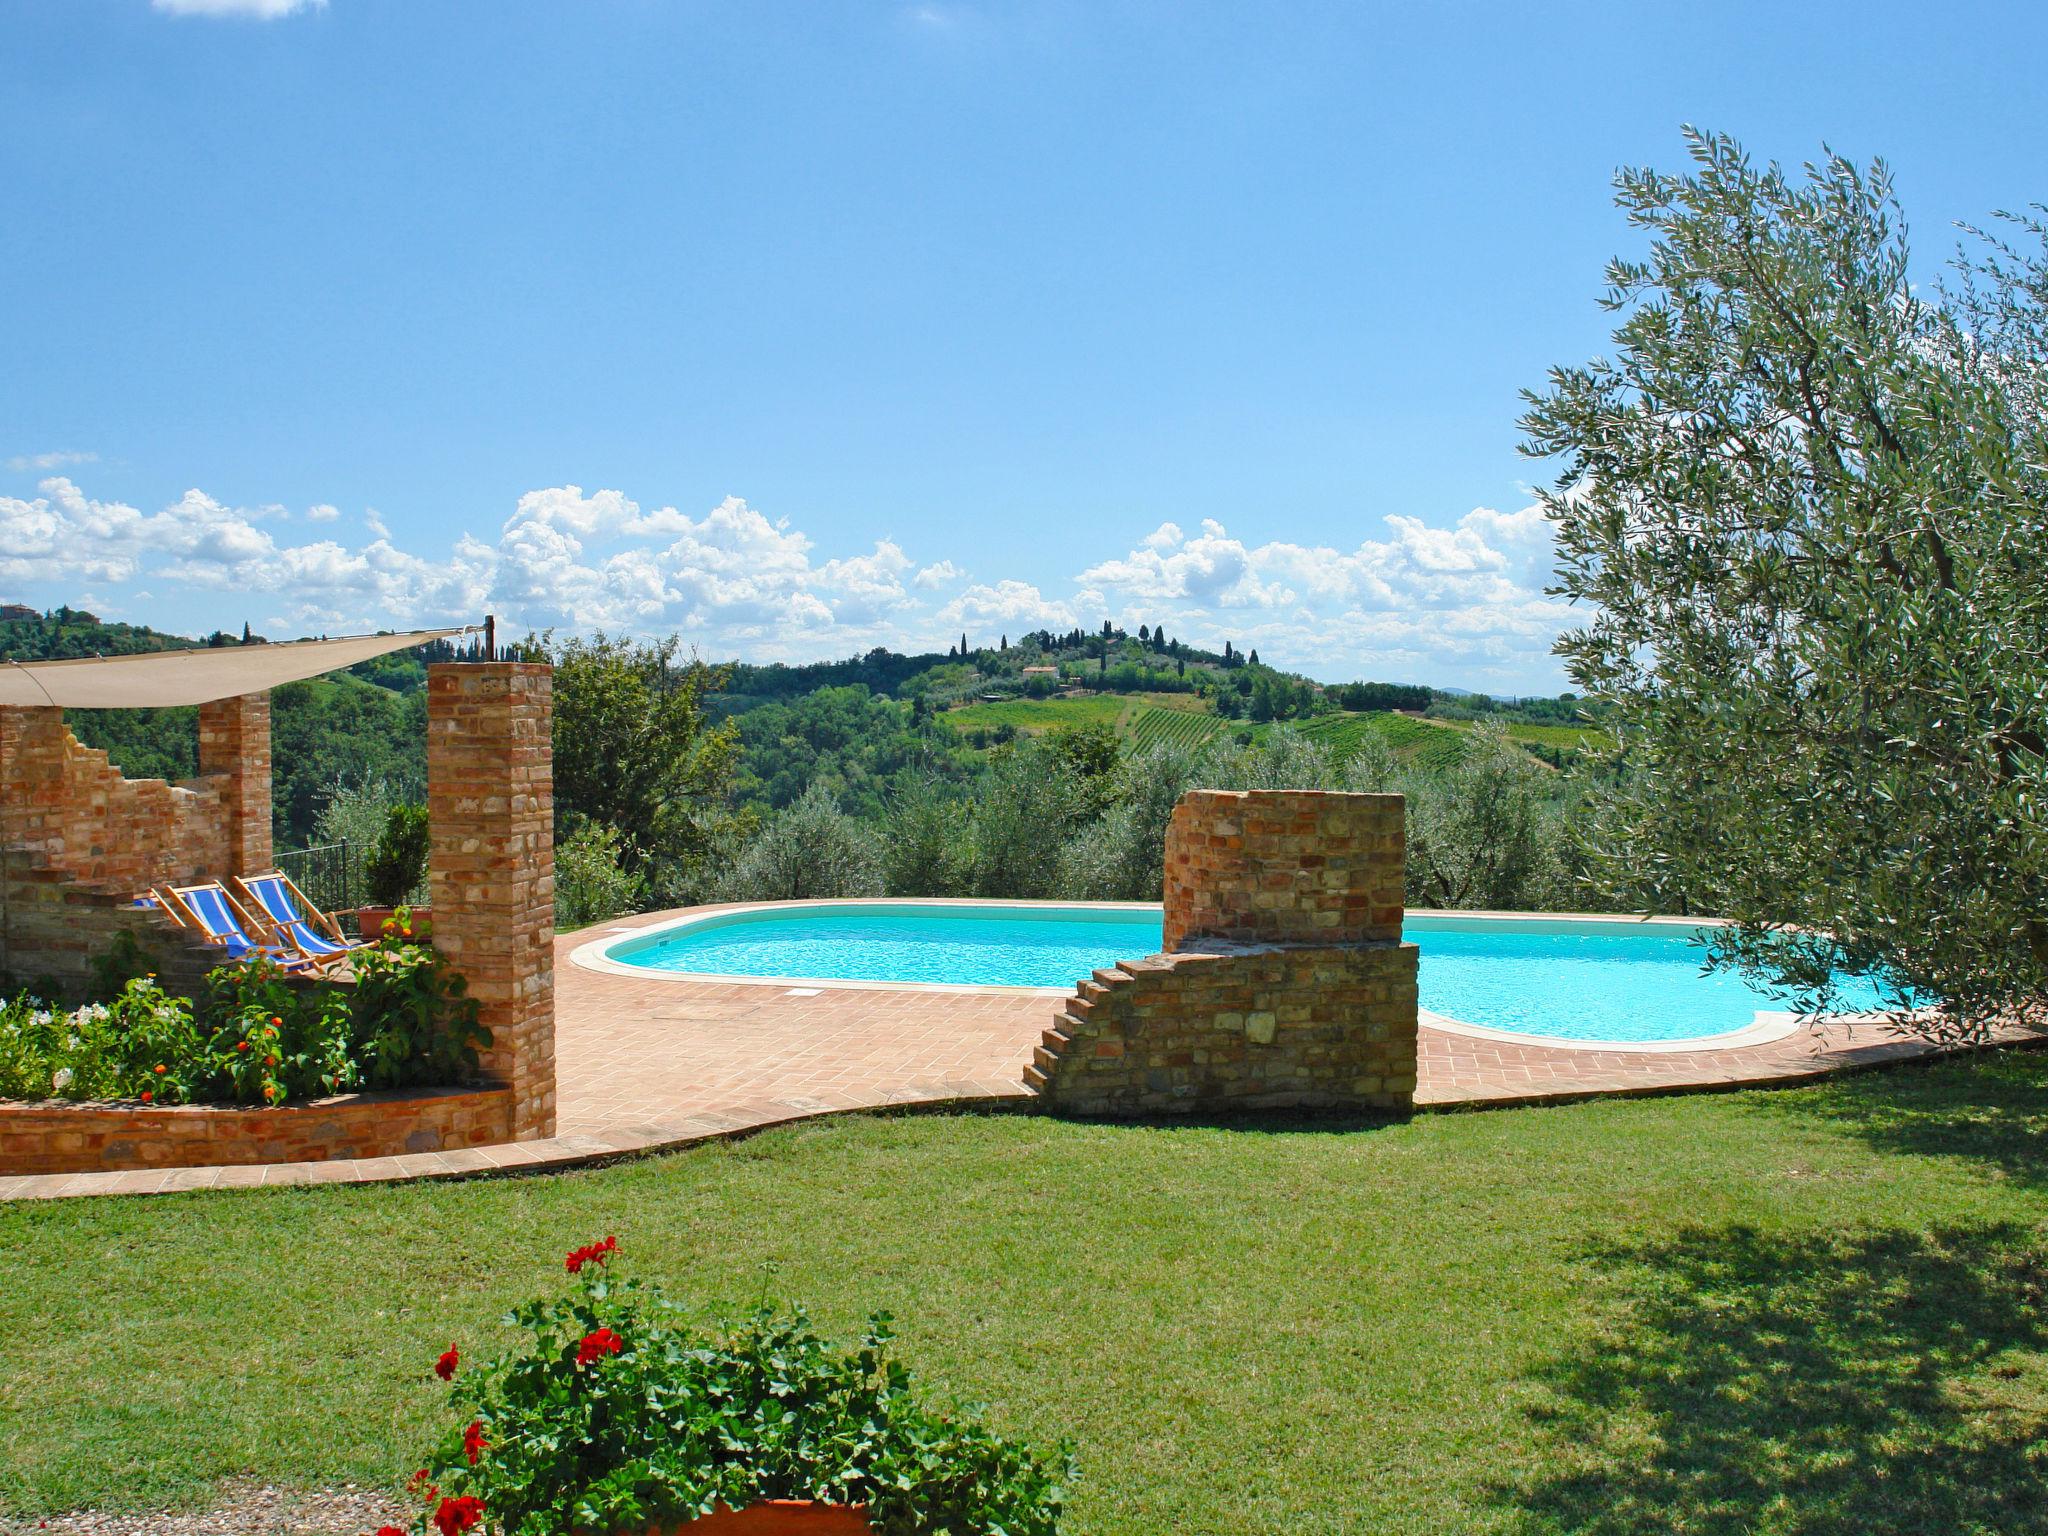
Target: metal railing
[[331, 875]]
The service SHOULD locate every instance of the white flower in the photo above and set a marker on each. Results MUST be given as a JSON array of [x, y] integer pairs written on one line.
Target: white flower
[[60, 1080]]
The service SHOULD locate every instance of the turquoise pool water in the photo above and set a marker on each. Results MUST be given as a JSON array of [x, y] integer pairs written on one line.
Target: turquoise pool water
[[1574, 980]]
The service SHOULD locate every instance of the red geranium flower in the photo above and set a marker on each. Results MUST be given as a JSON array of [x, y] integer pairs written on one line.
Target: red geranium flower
[[597, 1345], [389, 1530], [473, 1441], [418, 1480], [445, 1366], [147, 1095], [590, 1253], [457, 1515]]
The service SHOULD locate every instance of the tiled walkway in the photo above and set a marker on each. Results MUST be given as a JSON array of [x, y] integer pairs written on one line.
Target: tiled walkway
[[647, 1063]]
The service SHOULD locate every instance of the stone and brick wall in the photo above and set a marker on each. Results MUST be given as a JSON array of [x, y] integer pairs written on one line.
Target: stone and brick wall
[[491, 864], [78, 841], [84, 1138], [1284, 982]]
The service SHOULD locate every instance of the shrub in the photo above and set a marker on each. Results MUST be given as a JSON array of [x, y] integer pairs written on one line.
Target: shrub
[[591, 880], [142, 1044], [811, 849], [261, 1037], [412, 1019], [925, 851], [270, 1041], [396, 873], [620, 1413]]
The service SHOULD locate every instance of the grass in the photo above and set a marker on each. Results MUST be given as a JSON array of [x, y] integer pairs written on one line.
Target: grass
[[1034, 715], [1821, 1310], [1122, 712]]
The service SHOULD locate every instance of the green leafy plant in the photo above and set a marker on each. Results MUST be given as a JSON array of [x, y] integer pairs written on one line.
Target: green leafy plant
[[261, 1036], [142, 1044], [412, 1018], [620, 1413], [592, 881], [271, 1039], [394, 873]]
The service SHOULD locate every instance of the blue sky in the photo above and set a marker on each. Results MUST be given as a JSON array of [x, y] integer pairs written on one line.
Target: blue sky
[[803, 327]]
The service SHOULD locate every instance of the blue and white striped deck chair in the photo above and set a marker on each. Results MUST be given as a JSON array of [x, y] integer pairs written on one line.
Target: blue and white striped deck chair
[[214, 913], [297, 921]]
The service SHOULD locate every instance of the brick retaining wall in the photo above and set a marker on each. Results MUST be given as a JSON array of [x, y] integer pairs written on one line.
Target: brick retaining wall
[[1284, 984], [57, 1137]]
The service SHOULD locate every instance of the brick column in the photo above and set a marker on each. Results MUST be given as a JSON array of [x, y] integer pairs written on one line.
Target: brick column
[[234, 750], [491, 868], [1283, 982], [1285, 867]]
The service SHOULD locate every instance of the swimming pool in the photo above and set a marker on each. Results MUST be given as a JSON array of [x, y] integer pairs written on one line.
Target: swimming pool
[[1562, 978]]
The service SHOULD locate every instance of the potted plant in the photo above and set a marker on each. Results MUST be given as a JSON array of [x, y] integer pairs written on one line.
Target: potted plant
[[622, 1416], [394, 872]]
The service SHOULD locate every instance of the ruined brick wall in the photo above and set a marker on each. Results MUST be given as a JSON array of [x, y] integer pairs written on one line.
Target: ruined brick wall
[[491, 863], [1284, 982], [78, 841]]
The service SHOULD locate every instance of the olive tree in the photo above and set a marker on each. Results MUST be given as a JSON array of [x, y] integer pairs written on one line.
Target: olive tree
[[1805, 504], [811, 849]]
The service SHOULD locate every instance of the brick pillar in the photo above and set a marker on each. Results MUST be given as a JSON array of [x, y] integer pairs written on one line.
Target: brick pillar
[[234, 751], [1285, 867], [491, 869], [1283, 981]]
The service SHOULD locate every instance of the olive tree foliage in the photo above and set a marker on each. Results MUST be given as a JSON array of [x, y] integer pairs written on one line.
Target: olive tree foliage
[[1484, 834], [811, 849], [1806, 509], [592, 882]]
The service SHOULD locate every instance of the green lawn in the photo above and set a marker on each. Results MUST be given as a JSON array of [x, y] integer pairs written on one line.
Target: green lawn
[[1822, 1310], [1119, 711], [1035, 715]]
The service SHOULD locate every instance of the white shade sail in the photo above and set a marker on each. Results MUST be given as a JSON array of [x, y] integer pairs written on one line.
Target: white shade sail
[[156, 679]]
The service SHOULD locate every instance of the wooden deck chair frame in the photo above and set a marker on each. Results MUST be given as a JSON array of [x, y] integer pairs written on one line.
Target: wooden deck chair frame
[[261, 931], [323, 921]]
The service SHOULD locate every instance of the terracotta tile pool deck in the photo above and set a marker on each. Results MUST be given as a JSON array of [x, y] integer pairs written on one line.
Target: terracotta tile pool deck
[[643, 1064]]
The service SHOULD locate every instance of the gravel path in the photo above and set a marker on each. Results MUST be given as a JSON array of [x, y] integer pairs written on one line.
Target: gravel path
[[249, 1509]]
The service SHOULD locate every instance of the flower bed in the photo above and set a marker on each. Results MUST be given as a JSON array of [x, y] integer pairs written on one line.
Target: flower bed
[[257, 1036], [57, 1137], [263, 1068]]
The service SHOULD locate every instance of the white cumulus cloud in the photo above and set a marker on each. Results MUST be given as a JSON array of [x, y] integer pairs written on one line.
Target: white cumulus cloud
[[1451, 602]]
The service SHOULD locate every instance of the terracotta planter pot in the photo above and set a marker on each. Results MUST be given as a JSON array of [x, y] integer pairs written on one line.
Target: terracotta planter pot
[[370, 921], [778, 1517]]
